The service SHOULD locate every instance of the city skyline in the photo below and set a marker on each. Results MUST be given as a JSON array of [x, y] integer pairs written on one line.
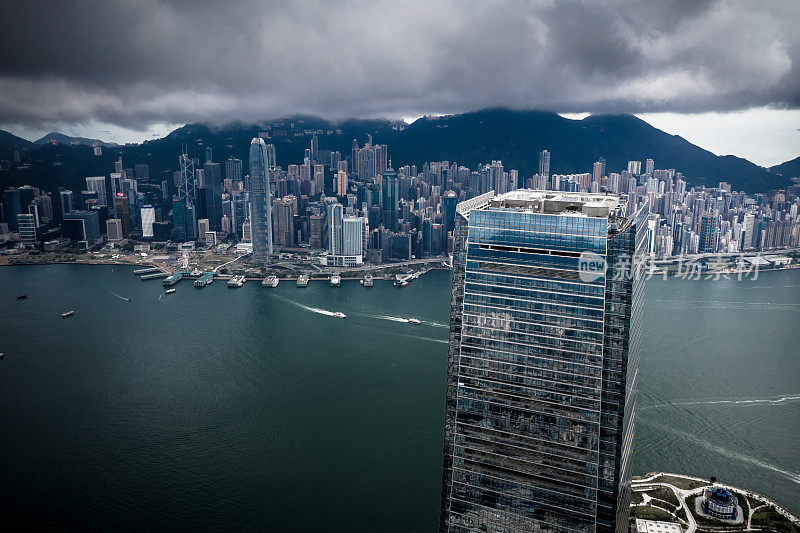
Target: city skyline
[[677, 63]]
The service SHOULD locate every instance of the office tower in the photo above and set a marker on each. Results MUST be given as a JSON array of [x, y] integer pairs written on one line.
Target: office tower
[[82, 226], [203, 227], [449, 203], [635, 167], [649, 166], [239, 210], [341, 183], [260, 202], [114, 229], [209, 155], [97, 184], [315, 149], [213, 182], [603, 163], [233, 169], [335, 213], [272, 158], [44, 207], [353, 238], [544, 164], [391, 199], [315, 229], [66, 200], [123, 210], [226, 224], [184, 220], [13, 207], [545, 328], [27, 229], [748, 226], [284, 213], [148, 213]]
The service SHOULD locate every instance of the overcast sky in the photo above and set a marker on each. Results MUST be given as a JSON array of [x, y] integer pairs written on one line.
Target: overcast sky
[[725, 75]]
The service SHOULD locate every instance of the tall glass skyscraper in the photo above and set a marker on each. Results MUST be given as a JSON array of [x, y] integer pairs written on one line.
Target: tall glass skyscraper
[[260, 202], [545, 327]]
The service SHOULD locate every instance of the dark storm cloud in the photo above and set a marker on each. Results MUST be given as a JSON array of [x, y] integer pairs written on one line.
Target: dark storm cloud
[[139, 62]]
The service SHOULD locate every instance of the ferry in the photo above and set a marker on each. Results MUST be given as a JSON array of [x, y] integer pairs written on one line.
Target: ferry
[[336, 280], [270, 281], [367, 281], [339, 314], [67, 314], [21, 296], [236, 282], [414, 321], [302, 281], [170, 291]]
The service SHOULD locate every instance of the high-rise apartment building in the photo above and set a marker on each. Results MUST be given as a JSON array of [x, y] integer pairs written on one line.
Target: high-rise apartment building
[[544, 344], [544, 164], [260, 202], [341, 183]]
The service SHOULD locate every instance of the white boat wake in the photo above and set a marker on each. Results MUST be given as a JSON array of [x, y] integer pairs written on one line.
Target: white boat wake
[[775, 400], [405, 320], [392, 318], [120, 297], [307, 308]]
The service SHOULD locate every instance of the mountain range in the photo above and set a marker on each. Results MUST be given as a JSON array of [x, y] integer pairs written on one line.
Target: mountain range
[[66, 139], [515, 137]]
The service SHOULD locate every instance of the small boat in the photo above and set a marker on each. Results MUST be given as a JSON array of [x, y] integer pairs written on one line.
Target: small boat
[[367, 281], [21, 296], [414, 321], [339, 314], [67, 314], [2, 355], [270, 281], [336, 280], [302, 281], [170, 291], [236, 282]]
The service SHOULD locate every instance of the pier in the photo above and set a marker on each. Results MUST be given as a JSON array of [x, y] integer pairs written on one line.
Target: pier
[[174, 278], [204, 280], [150, 270], [157, 275]]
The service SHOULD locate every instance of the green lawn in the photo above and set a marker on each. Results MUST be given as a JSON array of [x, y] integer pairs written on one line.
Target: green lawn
[[651, 513], [771, 520]]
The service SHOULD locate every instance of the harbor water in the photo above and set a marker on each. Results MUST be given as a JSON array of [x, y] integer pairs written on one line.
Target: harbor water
[[257, 408]]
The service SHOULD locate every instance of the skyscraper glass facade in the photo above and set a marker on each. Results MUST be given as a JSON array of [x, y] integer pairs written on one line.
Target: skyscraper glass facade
[[544, 340], [260, 202]]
